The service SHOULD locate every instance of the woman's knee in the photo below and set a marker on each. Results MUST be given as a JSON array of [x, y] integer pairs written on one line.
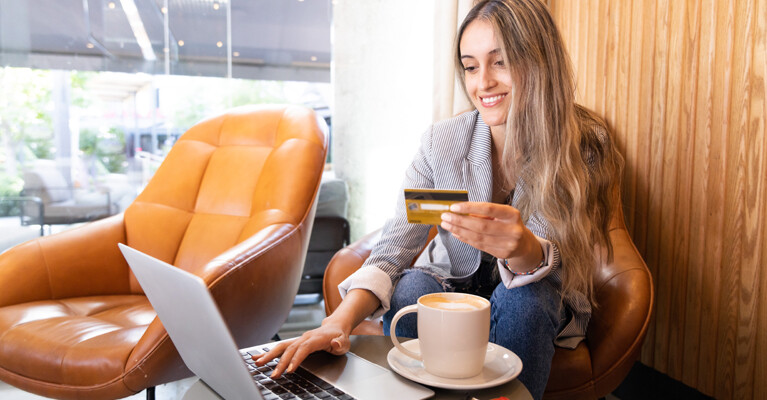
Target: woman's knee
[[412, 285], [530, 308]]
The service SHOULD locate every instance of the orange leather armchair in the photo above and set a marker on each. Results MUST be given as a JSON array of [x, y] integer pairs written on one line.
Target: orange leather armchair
[[233, 203], [614, 336]]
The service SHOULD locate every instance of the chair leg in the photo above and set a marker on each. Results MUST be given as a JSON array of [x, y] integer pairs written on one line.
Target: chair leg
[[150, 393]]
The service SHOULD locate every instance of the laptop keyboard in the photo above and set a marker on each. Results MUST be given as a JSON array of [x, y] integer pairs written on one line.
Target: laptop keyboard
[[301, 384]]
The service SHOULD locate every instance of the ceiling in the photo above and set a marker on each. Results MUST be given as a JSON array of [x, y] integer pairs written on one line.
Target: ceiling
[[270, 39]]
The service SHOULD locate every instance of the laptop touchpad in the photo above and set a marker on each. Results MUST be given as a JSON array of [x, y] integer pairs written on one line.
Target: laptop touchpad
[[362, 378]]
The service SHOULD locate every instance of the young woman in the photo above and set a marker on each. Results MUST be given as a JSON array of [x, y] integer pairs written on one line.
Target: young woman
[[542, 175]]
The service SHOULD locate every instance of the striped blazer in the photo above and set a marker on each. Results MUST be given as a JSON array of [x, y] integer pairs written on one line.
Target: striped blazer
[[455, 154]]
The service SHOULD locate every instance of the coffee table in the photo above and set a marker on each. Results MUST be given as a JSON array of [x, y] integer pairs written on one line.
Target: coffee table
[[375, 349]]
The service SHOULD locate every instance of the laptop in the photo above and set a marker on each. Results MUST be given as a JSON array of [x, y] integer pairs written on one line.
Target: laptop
[[195, 325]]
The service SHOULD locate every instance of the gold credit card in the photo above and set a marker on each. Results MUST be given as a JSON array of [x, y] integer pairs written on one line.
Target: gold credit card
[[425, 206]]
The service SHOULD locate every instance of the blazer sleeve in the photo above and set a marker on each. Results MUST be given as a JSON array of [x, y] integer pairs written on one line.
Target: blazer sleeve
[[543, 231]]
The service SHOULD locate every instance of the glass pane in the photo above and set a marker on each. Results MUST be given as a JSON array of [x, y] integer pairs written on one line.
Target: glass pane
[[198, 37], [91, 101]]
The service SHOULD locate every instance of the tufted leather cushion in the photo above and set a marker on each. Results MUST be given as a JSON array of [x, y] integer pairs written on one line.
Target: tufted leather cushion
[[234, 184], [233, 203], [613, 339], [72, 331]]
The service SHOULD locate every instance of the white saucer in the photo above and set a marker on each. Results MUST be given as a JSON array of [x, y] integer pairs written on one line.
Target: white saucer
[[501, 366]]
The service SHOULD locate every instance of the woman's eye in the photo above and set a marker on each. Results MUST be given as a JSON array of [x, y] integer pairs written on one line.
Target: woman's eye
[[500, 63], [469, 68]]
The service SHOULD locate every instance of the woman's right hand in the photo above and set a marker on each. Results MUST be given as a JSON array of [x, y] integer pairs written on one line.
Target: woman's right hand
[[332, 336], [329, 337]]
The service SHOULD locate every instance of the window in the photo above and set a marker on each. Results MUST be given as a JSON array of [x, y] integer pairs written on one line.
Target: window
[[95, 92]]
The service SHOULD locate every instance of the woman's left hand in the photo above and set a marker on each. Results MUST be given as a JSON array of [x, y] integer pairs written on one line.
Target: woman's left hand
[[496, 229]]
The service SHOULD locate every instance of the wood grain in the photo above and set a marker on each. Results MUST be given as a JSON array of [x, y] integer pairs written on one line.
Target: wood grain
[[633, 92], [748, 172], [758, 127], [715, 220], [655, 211], [682, 85], [733, 208], [684, 18], [698, 268]]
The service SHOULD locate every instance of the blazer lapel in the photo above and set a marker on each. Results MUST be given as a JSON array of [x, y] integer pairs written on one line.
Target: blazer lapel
[[477, 168], [477, 178]]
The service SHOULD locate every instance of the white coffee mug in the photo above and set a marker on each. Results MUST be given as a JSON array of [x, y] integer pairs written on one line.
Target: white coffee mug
[[453, 333]]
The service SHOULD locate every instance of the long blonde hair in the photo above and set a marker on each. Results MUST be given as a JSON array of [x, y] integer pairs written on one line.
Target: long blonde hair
[[561, 151]]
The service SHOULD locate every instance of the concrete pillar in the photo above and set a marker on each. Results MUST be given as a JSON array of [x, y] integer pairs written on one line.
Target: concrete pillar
[[65, 142], [383, 82]]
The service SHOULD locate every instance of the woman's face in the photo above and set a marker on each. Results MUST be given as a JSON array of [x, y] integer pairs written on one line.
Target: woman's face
[[487, 77]]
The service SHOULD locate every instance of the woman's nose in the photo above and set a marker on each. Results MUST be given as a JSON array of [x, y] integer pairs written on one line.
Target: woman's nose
[[486, 79]]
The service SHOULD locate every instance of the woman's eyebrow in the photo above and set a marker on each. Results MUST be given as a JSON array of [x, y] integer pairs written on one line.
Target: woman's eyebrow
[[492, 53]]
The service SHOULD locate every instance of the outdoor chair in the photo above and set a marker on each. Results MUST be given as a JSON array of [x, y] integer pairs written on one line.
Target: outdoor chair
[[48, 199]]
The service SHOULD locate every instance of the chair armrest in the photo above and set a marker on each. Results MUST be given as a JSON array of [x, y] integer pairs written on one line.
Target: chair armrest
[[66, 264], [243, 252], [101, 189], [255, 282], [22, 199], [625, 297], [343, 264], [350, 259]]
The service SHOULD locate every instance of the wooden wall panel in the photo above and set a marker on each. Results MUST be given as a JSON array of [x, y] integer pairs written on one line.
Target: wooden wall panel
[[698, 269], [682, 84], [757, 127], [755, 199], [653, 214], [733, 222], [715, 219]]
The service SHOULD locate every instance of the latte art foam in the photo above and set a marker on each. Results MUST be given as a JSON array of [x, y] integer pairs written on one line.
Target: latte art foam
[[464, 303]]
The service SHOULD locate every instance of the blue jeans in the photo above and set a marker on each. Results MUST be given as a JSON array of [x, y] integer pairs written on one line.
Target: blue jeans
[[525, 320]]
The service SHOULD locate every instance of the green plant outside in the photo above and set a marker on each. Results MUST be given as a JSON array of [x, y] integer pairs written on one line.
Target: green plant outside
[[10, 185], [106, 149]]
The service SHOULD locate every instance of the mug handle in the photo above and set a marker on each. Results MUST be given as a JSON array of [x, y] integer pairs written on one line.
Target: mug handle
[[406, 310]]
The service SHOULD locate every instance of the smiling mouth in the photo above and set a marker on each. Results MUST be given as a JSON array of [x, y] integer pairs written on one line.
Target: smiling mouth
[[491, 101]]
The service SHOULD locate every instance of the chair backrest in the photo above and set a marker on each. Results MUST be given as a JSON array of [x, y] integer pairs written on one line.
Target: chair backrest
[[224, 180], [47, 183]]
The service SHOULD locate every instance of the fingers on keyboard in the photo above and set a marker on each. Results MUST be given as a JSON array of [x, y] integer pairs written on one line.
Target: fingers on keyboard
[[301, 384]]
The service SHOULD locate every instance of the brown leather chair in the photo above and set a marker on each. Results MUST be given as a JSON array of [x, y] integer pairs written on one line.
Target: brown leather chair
[[232, 203], [614, 336]]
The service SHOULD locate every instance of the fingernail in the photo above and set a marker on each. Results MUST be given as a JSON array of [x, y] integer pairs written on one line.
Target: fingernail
[[290, 368], [446, 217], [455, 208]]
